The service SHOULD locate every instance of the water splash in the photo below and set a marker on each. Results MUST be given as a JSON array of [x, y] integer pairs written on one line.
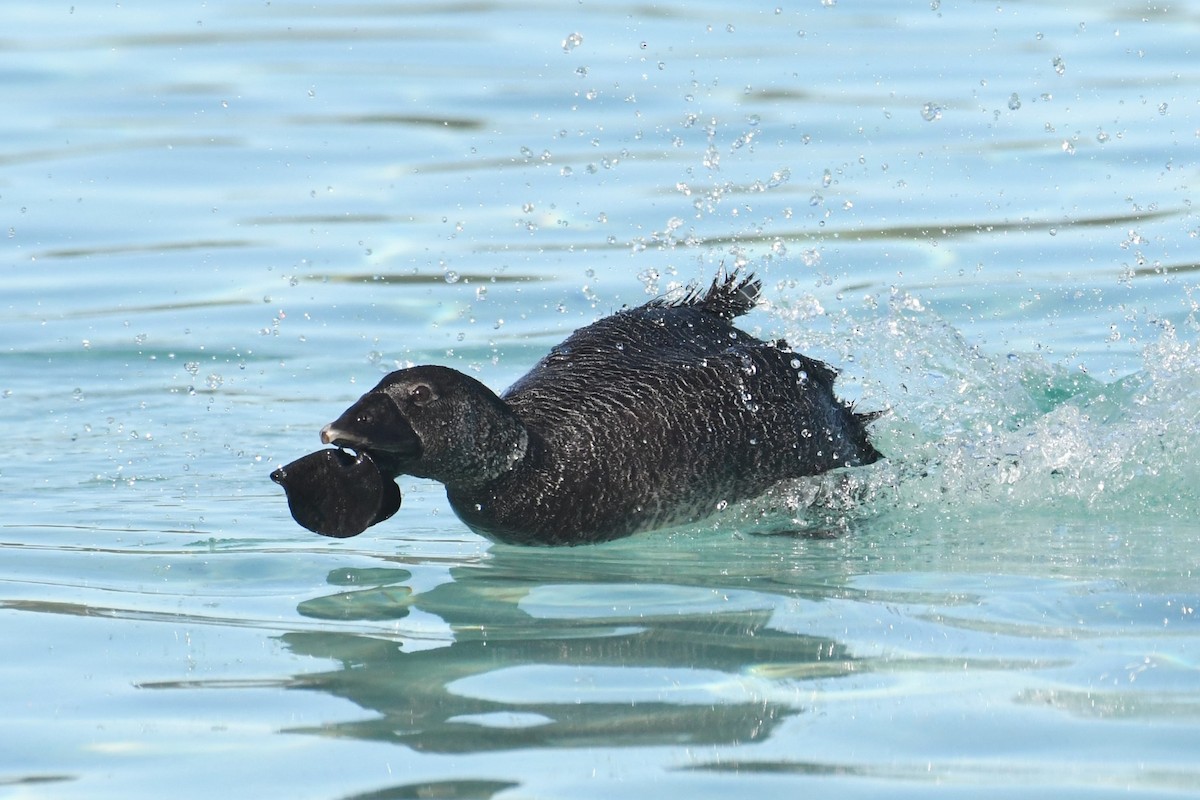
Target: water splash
[[969, 433]]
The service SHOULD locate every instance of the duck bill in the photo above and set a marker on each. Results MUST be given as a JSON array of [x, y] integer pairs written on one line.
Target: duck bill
[[374, 423]]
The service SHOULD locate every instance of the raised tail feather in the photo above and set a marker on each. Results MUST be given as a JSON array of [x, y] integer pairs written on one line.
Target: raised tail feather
[[729, 296], [861, 438]]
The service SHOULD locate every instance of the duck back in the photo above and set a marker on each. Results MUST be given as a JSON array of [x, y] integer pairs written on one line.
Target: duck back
[[661, 415]]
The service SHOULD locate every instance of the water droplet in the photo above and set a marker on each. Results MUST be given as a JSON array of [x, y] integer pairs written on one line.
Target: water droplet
[[931, 112], [1060, 66], [451, 276], [571, 42], [1014, 102]]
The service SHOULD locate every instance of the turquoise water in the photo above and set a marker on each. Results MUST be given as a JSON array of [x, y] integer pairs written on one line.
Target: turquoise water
[[223, 222]]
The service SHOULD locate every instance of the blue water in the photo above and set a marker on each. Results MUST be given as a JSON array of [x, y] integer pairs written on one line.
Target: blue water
[[222, 222]]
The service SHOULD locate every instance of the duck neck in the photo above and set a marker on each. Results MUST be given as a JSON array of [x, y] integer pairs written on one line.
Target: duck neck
[[500, 444]]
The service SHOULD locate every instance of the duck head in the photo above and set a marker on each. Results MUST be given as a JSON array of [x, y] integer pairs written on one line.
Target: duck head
[[433, 422]]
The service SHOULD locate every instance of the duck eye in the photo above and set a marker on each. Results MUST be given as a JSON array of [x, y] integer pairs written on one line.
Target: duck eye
[[421, 394]]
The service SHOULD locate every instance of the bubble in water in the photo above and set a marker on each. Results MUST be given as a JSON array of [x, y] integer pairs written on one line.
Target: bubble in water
[[931, 112], [1014, 102], [1060, 66], [1162, 109], [451, 276]]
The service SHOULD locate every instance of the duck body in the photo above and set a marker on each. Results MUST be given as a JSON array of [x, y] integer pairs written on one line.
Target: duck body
[[654, 416]]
